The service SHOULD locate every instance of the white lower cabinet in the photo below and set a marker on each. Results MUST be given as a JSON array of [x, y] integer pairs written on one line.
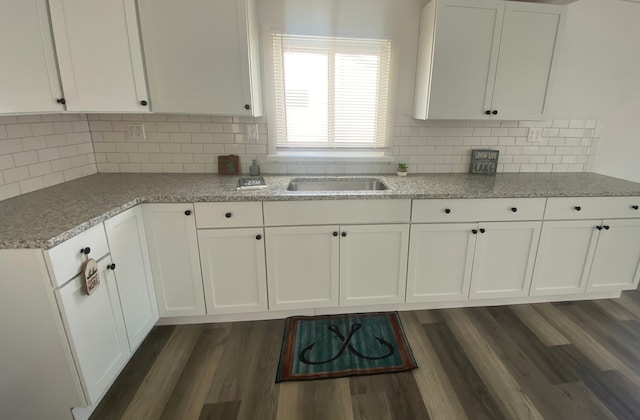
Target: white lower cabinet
[[233, 270], [617, 257], [564, 257], [173, 251], [462, 261], [128, 246], [440, 262], [504, 258], [302, 266], [587, 255], [323, 266], [373, 264], [96, 331]]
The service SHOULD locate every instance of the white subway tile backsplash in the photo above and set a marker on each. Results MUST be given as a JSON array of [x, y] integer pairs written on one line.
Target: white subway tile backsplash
[[42, 150], [37, 151]]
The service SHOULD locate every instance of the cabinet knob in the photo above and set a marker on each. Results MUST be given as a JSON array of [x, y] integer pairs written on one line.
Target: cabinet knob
[[634, 207], [495, 112], [482, 231], [344, 234], [111, 266], [144, 103], [187, 212], [599, 227], [85, 251], [61, 101], [335, 233], [578, 208], [247, 106], [258, 237], [228, 215], [514, 209], [474, 231], [606, 227], [447, 211], [487, 112]]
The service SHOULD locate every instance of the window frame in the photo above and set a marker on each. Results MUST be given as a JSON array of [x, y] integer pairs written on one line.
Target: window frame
[[361, 155]]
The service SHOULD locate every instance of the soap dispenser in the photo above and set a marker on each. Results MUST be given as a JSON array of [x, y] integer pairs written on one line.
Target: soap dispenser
[[254, 169]]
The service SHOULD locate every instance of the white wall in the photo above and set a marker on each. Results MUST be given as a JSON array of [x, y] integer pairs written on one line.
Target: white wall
[[598, 77]]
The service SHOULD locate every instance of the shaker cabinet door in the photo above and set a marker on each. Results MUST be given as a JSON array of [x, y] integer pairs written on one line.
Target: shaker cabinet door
[[440, 262], [96, 331], [303, 266], [175, 262], [201, 56], [233, 270], [128, 245], [504, 259], [616, 263], [29, 80], [100, 55]]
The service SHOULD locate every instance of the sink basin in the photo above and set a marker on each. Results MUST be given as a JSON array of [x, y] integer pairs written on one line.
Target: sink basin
[[336, 184]]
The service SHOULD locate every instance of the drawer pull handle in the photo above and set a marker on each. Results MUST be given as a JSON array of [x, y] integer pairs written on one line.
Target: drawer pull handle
[[474, 231], [344, 234], [482, 231], [606, 227], [578, 208], [514, 209], [634, 207], [187, 212], [111, 266], [85, 251], [335, 233], [258, 237], [599, 227], [228, 215], [447, 211]]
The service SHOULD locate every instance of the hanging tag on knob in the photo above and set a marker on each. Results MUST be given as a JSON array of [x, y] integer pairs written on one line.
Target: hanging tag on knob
[[90, 277]]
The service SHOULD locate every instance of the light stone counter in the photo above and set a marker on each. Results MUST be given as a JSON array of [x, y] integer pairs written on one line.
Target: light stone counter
[[45, 218]]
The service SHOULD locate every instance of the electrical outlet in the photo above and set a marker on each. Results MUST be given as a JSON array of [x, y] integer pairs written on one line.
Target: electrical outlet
[[136, 132], [252, 132], [535, 135]]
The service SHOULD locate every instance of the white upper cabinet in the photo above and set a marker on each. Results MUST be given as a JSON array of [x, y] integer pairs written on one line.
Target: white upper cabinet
[[202, 56], [99, 55], [485, 59], [29, 79]]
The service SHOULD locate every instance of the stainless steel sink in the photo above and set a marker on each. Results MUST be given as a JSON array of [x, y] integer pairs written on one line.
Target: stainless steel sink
[[336, 184]]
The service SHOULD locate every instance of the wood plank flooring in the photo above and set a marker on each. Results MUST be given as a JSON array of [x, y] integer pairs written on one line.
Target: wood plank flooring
[[572, 360]]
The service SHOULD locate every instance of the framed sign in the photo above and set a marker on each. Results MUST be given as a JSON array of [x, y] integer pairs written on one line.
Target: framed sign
[[484, 161], [90, 277], [229, 165]]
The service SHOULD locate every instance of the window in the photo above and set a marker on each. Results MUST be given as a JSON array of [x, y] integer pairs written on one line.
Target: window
[[331, 95]]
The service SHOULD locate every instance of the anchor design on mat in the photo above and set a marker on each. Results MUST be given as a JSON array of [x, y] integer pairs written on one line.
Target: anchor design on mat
[[346, 344]]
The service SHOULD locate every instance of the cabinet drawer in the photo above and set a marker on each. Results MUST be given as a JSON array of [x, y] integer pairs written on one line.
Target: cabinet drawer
[[592, 208], [477, 210], [322, 212], [64, 261], [228, 214]]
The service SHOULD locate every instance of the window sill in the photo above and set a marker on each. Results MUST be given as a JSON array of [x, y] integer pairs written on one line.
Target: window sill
[[360, 157]]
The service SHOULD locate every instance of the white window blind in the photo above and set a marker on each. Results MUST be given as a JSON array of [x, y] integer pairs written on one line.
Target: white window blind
[[331, 93]]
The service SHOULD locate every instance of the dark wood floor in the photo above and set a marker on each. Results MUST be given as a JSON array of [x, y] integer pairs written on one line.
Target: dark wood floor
[[554, 361]]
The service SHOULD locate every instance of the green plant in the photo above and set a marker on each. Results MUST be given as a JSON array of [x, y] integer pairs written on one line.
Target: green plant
[[402, 167]]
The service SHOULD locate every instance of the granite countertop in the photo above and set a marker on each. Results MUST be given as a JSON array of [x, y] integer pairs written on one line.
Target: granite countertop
[[45, 218]]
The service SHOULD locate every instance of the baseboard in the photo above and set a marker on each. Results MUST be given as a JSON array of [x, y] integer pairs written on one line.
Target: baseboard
[[258, 316]]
